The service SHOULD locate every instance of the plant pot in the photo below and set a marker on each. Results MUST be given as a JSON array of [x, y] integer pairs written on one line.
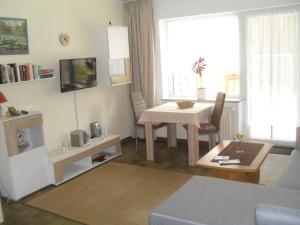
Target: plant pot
[[201, 93]]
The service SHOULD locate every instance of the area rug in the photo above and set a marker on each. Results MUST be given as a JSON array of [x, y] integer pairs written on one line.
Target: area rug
[[272, 169], [111, 194]]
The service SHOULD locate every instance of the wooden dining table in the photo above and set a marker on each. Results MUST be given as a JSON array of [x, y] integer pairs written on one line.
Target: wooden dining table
[[170, 113]]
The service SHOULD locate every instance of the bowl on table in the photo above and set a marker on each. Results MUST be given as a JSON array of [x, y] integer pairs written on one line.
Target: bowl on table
[[185, 104]]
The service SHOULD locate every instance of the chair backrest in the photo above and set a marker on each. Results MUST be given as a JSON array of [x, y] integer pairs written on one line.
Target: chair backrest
[[138, 104], [298, 139], [218, 110]]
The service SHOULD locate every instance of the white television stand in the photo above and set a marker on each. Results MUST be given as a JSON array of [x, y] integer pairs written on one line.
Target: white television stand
[[77, 160]]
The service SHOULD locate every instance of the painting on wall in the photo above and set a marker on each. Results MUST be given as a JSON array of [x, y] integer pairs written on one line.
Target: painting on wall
[[13, 36]]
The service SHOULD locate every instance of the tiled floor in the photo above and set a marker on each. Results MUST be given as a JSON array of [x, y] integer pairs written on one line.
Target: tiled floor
[[174, 159]]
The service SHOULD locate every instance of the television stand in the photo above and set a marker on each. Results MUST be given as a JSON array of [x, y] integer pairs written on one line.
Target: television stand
[[77, 160]]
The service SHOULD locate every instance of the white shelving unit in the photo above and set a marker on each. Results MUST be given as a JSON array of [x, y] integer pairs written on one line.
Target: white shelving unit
[[26, 81], [77, 160], [22, 170]]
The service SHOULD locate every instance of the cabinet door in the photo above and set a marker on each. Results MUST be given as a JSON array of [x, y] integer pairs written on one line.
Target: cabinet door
[[118, 42], [29, 172]]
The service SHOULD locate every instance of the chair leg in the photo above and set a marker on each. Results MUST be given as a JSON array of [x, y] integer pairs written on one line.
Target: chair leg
[[136, 140], [153, 135], [219, 139], [210, 137]]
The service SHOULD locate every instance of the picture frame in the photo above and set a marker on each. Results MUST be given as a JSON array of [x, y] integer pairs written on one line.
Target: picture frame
[[13, 36]]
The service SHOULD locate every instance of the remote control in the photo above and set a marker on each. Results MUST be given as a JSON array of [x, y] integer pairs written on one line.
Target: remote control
[[222, 157], [229, 162]]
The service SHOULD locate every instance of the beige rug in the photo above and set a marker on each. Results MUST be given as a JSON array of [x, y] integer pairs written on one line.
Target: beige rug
[[112, 194], [272, 169]]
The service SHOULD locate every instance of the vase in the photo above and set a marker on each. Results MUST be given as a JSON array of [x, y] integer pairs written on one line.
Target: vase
[[201, 93]]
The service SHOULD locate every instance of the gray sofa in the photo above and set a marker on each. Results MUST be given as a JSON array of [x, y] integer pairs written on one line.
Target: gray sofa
[[211, 201]]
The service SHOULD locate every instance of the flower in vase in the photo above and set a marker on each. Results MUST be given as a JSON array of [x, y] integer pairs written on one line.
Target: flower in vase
[[199, 67]]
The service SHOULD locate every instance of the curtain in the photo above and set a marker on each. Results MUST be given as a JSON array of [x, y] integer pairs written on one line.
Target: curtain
[[272, 48], [140, 22]]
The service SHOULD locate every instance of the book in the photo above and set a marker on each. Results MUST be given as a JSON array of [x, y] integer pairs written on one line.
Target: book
[[46, 71], [27, 66], [10, 72], [3, 76], [46, 75], [35, 72], [14, 69]]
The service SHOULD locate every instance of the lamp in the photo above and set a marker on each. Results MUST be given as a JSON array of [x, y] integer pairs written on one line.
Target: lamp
[[2, 100]]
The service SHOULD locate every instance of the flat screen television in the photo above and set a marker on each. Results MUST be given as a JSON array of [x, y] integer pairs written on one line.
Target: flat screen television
[[77, 74]]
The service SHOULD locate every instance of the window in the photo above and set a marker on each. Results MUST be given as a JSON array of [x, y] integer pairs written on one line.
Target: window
[[184, 40], [273, 53]]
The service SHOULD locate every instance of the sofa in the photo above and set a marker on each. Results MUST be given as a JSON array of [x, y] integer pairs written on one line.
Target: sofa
[[212, 201]]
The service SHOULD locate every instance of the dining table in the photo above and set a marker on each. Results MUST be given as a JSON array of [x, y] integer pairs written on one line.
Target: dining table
[[170, 113]]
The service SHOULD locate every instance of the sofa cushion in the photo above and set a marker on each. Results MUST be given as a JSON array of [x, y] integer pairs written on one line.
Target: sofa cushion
[[211, 201], [290, 178], [275, 215]]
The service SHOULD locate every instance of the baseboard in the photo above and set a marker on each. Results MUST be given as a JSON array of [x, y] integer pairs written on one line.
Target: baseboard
[[127, 139], [179, 140]]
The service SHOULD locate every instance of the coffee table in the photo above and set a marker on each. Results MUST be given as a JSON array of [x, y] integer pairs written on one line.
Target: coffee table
[[246, 173]]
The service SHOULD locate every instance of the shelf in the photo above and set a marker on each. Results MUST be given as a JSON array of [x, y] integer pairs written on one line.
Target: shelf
[[74, 170], [67, 165], [106, 160], [25, 81]]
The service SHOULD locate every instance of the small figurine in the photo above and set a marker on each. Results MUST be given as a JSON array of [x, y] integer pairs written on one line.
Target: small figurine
[[13, 112]]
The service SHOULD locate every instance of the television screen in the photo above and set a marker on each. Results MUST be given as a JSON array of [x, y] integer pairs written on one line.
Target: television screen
[[77, 74]]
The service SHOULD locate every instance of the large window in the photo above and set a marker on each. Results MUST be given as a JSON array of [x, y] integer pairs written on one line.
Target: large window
[[184, 40], [273, 76]]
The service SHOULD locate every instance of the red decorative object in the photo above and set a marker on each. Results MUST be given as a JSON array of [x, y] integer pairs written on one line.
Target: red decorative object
[[199, 66], [2, 98]]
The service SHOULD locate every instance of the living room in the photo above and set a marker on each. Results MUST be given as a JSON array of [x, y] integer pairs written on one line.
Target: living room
[[61, 30]]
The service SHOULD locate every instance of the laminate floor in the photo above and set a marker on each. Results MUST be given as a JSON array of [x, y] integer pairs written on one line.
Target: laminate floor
[[173, 159]]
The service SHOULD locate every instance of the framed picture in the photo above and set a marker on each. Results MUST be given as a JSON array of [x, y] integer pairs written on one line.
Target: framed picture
[[13, 36]]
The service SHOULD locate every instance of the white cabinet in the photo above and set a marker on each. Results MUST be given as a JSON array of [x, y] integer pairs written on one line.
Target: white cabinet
[[112, 54], [23, 156]]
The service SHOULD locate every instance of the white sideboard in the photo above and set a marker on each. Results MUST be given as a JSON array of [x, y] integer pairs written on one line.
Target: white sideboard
[[23, 170], [77, 160]]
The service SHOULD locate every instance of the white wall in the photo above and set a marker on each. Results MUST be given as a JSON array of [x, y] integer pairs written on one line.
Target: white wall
[[173, 8], [46, 20]]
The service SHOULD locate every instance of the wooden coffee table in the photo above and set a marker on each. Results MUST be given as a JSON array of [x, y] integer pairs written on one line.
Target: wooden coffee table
[[249, 173]]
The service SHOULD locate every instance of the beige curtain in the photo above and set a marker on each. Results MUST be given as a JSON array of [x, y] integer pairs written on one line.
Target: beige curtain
[[140, 22]]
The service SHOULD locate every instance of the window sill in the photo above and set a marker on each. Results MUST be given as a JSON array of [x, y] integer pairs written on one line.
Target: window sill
[[229, 100]]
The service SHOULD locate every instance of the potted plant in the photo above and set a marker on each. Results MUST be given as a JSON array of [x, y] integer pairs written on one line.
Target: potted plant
[[198, 68]]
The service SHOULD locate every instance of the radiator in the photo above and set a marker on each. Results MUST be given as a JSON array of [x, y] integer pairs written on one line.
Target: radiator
[[225, 128]]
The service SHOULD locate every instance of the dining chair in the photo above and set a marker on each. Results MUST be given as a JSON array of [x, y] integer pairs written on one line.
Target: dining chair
[[213, 127], [139, 106]]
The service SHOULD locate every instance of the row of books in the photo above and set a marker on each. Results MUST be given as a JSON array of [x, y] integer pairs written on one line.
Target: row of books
[[13, 72]]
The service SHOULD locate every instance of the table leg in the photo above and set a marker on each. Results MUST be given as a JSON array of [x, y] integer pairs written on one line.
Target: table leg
[[1, 213], [193, 143], [172, 136], [149, 141]]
